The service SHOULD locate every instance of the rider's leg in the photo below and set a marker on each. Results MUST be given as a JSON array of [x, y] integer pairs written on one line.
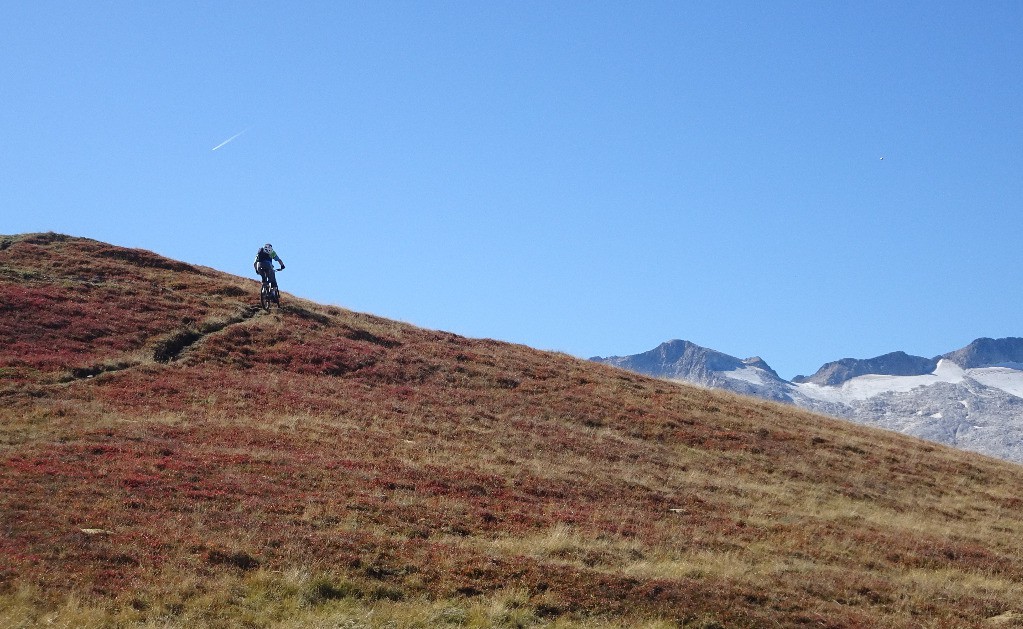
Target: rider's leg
[[266, 271]]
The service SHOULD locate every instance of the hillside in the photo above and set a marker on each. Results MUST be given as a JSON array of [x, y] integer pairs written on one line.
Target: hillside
[[172, 456]]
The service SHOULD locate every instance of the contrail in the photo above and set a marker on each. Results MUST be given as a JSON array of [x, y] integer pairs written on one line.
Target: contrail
[[232, 138]]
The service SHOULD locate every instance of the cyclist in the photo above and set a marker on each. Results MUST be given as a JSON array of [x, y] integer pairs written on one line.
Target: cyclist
[[264, 264]]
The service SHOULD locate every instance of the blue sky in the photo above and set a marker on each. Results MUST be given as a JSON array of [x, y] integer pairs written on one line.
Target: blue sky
[[589, 177]]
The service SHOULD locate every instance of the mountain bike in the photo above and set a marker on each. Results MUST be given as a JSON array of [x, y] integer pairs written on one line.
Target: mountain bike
[[268, 295]]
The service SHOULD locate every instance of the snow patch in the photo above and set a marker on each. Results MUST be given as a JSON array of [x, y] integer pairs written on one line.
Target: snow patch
[[752, 375], [864, 387], [1007, 379]]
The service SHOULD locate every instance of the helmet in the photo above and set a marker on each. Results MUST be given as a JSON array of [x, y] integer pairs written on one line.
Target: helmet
[[268, 248]]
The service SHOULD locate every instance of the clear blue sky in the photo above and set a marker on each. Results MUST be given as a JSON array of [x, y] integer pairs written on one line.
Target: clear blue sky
[[589, 177]]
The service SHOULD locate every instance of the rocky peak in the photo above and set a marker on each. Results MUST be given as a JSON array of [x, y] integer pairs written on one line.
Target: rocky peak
[[833, 374], [985, 352]]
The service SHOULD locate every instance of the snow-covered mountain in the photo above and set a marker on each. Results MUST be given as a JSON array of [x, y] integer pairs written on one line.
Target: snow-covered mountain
[[971, 398]]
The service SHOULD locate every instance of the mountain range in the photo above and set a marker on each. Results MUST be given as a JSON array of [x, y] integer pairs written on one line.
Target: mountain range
[[970, 398]]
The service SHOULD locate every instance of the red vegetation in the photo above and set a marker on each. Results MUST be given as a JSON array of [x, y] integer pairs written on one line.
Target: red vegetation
[[149, 400]]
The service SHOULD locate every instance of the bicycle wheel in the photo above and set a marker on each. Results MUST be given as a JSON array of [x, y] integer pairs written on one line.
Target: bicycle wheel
[[265, 298]]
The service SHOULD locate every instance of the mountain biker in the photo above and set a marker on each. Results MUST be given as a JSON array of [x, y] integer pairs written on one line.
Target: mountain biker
[[264, 265]]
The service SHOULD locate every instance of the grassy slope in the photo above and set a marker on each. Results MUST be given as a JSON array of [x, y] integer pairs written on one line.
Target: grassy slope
[[319, 466]]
